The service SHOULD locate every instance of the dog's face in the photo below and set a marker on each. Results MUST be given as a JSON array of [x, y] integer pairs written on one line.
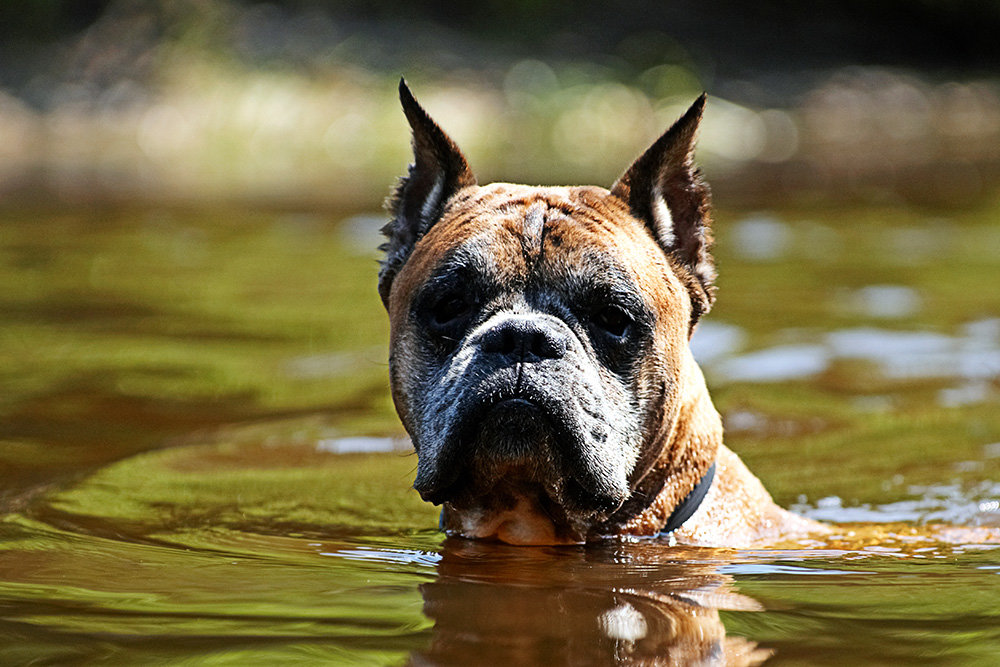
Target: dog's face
[[539, 334]]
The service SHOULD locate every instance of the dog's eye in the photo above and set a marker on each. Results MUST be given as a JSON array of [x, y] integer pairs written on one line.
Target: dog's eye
[[615, 320], [449, 308]]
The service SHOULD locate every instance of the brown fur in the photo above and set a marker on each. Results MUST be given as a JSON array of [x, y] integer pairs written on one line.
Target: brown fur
[[654, 225]]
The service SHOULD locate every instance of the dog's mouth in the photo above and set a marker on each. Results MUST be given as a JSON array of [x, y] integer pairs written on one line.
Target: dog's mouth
[[510, 476], [509, 437], [515, 512]]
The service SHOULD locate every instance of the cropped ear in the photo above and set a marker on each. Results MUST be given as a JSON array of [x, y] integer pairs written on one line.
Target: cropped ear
[[664, 190], [439, 170]]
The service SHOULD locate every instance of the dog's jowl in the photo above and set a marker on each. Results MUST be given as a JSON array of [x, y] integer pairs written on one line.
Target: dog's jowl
[[539, 352]]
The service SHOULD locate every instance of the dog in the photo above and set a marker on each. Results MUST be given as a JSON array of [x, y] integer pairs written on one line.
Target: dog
[[539, 355]]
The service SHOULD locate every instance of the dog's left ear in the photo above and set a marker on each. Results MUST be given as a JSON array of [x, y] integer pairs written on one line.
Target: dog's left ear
[[439, 170], [663, 189]]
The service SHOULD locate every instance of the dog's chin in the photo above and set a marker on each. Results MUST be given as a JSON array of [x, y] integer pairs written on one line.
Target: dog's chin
[[515, 489], [515, 513]]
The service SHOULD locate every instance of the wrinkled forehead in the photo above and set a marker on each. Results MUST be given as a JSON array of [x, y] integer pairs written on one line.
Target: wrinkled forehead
[[508, 232]]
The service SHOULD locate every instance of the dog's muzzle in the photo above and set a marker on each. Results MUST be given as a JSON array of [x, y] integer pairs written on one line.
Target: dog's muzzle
[[522, 413]]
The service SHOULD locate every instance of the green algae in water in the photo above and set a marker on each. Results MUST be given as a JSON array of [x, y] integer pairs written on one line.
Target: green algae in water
[[226, 548], [238, 343], [278, 489]]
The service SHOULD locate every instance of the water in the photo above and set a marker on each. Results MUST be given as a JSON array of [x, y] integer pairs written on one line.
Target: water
[[199, 462]]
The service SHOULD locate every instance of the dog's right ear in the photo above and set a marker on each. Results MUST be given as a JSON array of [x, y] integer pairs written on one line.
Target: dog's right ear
[[439, 170], [664, 189]]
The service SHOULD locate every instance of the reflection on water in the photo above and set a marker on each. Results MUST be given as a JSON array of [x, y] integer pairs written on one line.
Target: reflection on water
[[199, 460], [973, 354], [362, 445], [939, 503], [237, 553], [632, 603]]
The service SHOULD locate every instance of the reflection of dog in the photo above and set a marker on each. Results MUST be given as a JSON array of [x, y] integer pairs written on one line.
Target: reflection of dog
[[539, 352], [615, 604]]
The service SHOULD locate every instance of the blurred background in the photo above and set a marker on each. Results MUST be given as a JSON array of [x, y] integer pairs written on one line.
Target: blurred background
[[292, 103]]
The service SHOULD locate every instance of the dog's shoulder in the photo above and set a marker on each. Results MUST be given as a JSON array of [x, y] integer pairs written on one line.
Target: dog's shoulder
[[739, 511]]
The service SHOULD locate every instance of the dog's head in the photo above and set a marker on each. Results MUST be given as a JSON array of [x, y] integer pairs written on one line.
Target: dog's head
[[538, 339]]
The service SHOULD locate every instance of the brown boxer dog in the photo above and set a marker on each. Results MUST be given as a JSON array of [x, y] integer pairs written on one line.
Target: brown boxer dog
[[539, 352]]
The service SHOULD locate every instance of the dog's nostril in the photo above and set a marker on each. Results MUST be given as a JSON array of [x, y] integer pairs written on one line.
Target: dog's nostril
[[525, 338], [547, 344], [499, 340]]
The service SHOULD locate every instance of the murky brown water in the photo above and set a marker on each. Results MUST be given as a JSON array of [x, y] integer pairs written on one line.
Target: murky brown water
[[199, 461]]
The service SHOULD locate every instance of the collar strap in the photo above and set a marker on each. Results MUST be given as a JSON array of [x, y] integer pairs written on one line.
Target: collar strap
[[691, 502]]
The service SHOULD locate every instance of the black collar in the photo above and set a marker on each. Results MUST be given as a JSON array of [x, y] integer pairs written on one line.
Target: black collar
[[691, 502]]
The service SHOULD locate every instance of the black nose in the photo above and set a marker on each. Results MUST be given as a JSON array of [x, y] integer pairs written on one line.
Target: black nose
[[525, 338]]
